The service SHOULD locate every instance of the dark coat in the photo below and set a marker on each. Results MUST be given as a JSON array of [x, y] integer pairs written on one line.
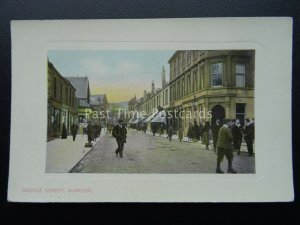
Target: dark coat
[[197, 132], [206, 127], [64, 132], [201, 128], [215, 130], [124, 133], [170, 131], [190, 133], [249, 132], [90, 132], [74, 129], [119, 133], [237, 133]]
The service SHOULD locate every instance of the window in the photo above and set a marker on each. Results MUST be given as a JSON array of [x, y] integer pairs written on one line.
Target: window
[[188, 57], [183, 59], [195, 82], [240, 75], [178, 90], [66, 96], [201, 78], [177, 66], [174, 91], [61, 92], [188, 84], [54, 87], [216, 74], [167, 97], [195, 54], [183, 87]]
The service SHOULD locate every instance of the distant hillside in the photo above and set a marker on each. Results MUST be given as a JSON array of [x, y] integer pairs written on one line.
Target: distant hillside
[[119, 105]]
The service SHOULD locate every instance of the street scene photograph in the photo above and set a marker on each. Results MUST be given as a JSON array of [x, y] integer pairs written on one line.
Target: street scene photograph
[[151, 111]]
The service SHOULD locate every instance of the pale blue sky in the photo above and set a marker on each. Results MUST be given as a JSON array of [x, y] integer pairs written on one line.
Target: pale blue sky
[[120, 73]]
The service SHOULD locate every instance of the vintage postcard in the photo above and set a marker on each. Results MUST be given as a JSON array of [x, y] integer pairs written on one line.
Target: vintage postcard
[[160, 110]]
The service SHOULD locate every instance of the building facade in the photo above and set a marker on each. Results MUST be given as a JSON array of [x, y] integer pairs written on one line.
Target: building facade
[[210, 85], [158, 98], [99, 104], [83, 95], [62, 103]]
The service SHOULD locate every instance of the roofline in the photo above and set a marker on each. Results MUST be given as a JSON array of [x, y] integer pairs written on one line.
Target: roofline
[[174, 54], [62, 77]]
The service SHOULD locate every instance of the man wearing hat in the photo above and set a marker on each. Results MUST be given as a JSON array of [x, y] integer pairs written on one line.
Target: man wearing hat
[[120, 135], [225, 147]]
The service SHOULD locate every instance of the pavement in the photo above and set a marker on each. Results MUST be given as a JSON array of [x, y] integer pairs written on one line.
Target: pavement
[[185, 139], [63, 154], [145, 153]]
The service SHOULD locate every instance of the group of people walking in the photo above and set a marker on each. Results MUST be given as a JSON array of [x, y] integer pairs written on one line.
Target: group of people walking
[[204, 133], [199, 132], [227, 137], [93, 131]]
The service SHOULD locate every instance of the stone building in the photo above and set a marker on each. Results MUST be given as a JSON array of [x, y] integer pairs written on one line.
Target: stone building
[[159, 98], [206, 85], [100, 104], [62, 103], [83, 95]]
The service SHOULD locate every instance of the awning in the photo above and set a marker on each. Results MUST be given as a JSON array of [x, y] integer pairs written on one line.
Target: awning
[[131, 120], [149, 118], [138, 120], [161, 117]]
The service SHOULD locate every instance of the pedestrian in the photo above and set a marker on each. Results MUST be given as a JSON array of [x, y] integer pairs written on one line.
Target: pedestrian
[[205, 137], [144, 128], [154, 128], [249, 136], [180, 133], [170, 133], [196, 131], [95, 130], [237, 133], [124, 133], [64, 132], [161, 129], [90, 133], [225, 147], [201, 130], [190, 133], [119, 134], [215, 132], [74, 129]]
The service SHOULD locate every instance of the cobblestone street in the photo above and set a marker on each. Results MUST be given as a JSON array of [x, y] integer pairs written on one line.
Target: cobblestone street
[[144, 153]]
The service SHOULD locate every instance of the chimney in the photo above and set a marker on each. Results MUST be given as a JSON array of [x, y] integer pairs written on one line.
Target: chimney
[[163, 77], [152, 88]]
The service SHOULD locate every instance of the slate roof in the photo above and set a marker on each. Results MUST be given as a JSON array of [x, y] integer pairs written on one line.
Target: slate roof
[[83, 103], [97, 99], [81, 84]]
